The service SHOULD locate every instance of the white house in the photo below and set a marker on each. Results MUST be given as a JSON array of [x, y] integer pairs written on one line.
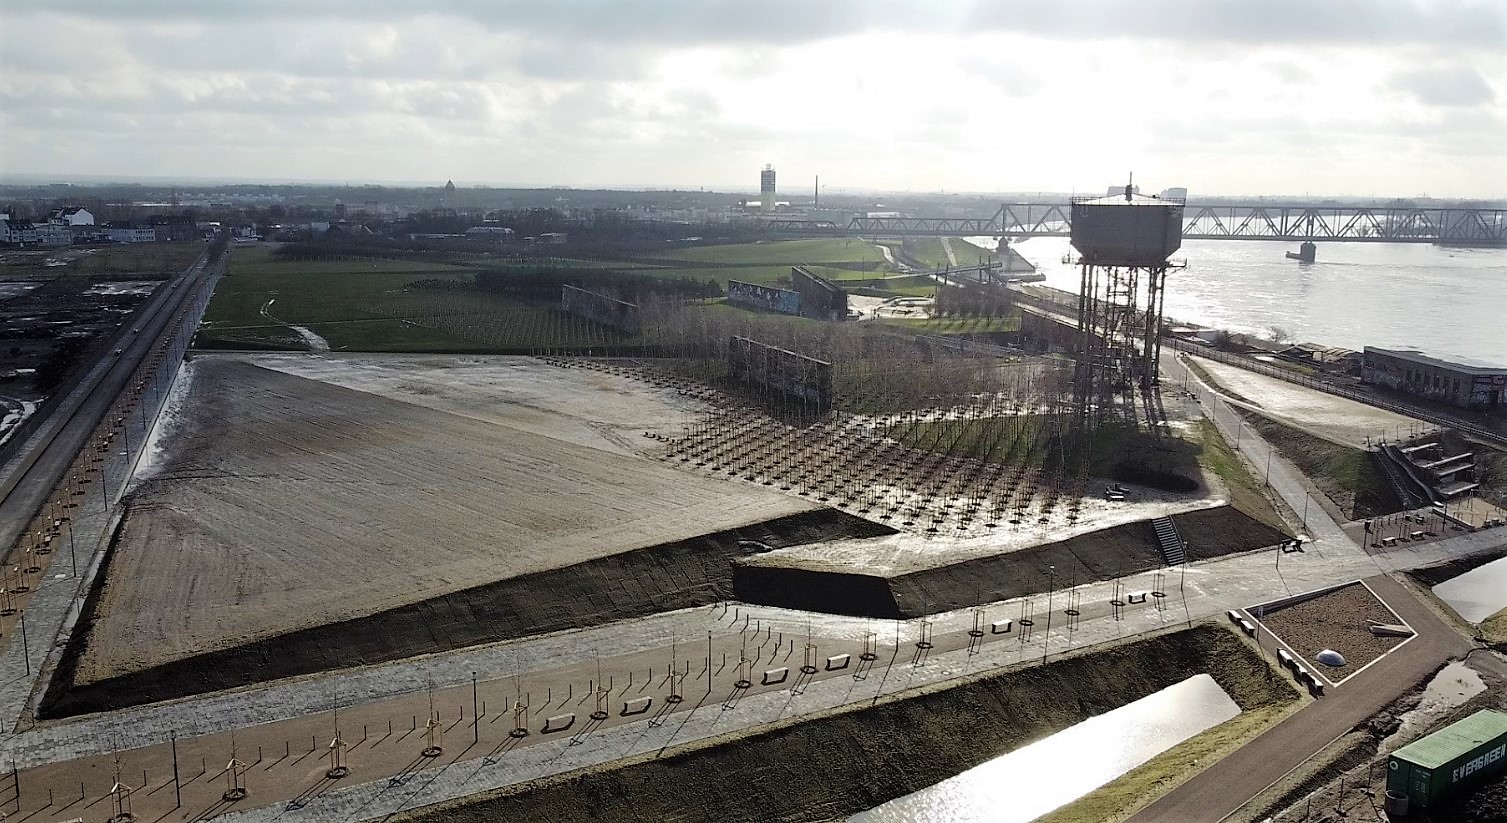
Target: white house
[[71, 216]]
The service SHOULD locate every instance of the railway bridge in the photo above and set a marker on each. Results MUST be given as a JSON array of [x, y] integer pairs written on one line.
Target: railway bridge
[[1318, 224]]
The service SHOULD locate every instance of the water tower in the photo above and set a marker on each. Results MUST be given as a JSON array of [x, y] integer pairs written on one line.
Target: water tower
[[1124, 241]]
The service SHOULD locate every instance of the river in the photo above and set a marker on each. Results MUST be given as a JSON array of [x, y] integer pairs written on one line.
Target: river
[[1052, 772], [1448, 302]]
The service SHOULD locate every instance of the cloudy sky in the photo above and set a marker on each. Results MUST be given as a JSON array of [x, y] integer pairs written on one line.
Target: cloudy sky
[[1362, 97]]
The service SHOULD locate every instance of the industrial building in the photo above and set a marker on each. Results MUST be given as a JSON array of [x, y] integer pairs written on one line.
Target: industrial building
[[1459, 383], [766, 189], [1462, 753]]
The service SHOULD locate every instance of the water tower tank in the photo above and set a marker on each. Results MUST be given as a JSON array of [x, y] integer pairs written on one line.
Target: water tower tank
[[1127, 229]]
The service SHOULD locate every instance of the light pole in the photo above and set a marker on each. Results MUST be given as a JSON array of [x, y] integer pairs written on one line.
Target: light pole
[[1046, 641]]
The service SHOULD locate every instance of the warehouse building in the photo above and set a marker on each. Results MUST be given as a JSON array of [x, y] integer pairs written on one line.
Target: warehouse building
[[1458, 755], [1460, 383]]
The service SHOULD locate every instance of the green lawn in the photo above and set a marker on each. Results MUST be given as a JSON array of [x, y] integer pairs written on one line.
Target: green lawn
[[322, 295], [929, 251], [783, 252], [956, 325]]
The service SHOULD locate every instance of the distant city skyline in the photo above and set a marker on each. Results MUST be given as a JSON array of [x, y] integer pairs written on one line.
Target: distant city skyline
[[1348, 98]]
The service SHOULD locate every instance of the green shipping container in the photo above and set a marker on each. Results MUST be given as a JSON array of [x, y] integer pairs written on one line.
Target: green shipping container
[[1458, 754]]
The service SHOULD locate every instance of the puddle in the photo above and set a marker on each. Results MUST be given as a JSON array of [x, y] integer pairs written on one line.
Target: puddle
[[1050, 773], [1477, 594], [1451, 687]]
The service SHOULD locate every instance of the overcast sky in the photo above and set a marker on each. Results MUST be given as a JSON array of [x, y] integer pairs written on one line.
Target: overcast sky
[[1360, 97]]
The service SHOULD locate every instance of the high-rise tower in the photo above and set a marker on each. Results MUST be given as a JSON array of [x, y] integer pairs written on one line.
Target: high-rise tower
[[766, 189], [1125, 241]]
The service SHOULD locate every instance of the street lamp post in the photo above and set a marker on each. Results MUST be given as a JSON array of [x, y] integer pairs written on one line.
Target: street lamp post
[[1046, 642]]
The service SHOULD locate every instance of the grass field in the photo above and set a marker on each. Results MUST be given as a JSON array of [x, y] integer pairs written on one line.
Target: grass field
[[328, 297], [956, 325], [784, 252], [1348, 476], [1218, 457], [1494, 628], [145, 261]]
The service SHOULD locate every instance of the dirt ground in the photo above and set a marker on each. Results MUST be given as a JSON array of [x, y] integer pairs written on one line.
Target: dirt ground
[[1337, 620], [1335, 418], [833, 766], [286, 503], [584, 407]]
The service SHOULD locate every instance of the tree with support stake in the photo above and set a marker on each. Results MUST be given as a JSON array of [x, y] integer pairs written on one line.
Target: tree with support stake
[[120, 802], [434, 731], [235, 780]]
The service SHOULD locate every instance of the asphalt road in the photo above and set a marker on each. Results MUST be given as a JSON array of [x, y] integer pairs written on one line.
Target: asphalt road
[[1220, 790], [53, 447]]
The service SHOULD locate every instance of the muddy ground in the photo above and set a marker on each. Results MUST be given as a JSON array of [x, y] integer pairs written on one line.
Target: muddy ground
[[1315, 791], [285, 504], [848, 761], [1101, 555]]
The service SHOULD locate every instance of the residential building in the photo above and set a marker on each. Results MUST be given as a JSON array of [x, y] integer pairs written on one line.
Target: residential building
[[71, 216]]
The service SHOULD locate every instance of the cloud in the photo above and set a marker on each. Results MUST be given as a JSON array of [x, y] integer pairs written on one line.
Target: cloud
[[679, 23], [1445, 86]]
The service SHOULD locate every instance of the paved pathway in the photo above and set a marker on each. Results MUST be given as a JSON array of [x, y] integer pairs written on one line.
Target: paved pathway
[[1226, 786]]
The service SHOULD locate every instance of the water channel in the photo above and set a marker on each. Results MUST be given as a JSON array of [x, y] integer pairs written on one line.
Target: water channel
[[1052, 772], [1477, 594]]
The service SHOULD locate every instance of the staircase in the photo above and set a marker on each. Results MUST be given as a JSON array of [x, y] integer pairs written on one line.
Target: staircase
[[1171, 542]]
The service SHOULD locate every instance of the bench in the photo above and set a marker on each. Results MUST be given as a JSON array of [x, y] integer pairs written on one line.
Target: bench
[[773, 676], [559, 723], [837, 662], [1001, 626], [638, 706]]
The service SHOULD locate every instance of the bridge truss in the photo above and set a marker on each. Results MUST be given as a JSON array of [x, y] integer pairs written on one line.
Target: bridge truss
[[1321, 224]]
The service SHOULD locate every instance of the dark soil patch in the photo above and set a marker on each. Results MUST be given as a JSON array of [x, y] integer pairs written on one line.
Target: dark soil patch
[[1101, 555], [678, 575], [835, 765]]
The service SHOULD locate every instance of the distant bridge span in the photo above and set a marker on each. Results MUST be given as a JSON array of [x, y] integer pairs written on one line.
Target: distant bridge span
[[1321, 224]]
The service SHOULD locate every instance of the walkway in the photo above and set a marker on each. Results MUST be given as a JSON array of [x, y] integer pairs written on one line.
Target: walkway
[[1220, 790]]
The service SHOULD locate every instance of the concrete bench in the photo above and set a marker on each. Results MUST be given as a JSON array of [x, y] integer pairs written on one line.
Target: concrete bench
[[1248, 627], [1234, 616], [1001, 626], [773, 676], [637, 706], [559, 723], [837, 662], [1137, 597], [1416, 535], [1287, 660], [1389, 541]]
